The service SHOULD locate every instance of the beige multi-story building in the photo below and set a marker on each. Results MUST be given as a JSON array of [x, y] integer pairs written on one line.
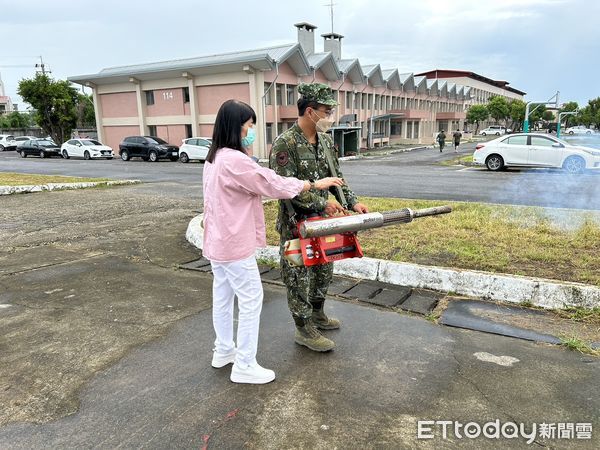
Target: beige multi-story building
[[180, 98]]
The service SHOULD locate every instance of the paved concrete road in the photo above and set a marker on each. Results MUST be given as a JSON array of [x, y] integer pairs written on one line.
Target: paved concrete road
[[105, 344], [415, 174]]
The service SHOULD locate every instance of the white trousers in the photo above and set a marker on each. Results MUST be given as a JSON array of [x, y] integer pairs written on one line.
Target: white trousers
[[242, 279]]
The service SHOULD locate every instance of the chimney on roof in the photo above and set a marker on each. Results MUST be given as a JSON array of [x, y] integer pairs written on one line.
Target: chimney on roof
[[333, 44], [306, 37]]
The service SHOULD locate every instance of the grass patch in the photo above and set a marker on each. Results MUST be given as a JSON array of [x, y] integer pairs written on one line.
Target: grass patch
[[465, 160], [574, 343], [475, 236], [23, 179], [579, 314]]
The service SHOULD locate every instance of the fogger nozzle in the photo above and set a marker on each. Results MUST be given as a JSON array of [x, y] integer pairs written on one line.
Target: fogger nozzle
[[336, 225]]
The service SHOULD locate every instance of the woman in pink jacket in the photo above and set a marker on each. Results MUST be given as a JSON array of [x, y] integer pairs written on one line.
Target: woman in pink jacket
[[234, 226]]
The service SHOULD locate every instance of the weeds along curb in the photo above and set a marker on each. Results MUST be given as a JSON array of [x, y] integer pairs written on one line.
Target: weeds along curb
[[25, 189], [491, 286]]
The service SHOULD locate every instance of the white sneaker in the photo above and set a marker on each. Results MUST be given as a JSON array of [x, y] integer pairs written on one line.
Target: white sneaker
[[253, 374], [221, 360]]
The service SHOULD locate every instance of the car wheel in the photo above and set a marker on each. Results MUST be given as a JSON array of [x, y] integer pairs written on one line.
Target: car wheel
[[42, 154], [497, 133], [571, 132], [1, 148], [152, 156], [23, 154], [574, 164], [65, 155], [483, 134], [588, 132], [125, 155], [184, 158], [86, 155], [494, 163]]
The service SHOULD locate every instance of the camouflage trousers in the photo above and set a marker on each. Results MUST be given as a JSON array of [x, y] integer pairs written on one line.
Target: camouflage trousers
[[306, 286]]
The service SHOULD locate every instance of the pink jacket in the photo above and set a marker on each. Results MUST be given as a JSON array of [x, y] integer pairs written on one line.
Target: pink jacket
[[234, 220]]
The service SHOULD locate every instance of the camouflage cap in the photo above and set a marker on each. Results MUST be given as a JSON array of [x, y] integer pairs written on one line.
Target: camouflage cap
[[317, 92]]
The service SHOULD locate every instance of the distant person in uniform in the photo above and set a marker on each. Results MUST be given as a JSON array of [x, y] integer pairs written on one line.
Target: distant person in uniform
[[456, 137], [441, 138]]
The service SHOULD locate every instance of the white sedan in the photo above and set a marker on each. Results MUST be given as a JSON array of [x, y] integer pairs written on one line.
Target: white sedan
[[579, 129], [535, 150], [86, 149], [194, 148]]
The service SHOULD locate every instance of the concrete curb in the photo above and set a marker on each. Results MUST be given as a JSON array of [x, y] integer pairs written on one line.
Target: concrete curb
[[25, 189], [490, 286]]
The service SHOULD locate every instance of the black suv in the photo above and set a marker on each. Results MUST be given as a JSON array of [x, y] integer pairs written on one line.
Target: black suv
[[149, 148], [39, 147]]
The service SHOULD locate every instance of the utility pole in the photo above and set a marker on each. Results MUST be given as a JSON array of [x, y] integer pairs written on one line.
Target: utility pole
[[42, 67]]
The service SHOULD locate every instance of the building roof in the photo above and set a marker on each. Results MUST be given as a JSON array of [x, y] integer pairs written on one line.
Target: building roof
[[259, 59], [449, 73]]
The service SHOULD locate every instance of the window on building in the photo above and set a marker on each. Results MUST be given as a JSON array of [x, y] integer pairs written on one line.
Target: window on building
[[269, 93], [348, 99], [416, 129], [363, 102], [357, 100], [396, 128], [279, 128], [152, 129], [150, 98], [377, 100], [188, 131], [279, 94], [290, 92], [269, 129], [186, 95]]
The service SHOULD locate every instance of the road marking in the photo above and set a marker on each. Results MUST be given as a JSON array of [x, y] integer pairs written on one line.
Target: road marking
[[506, 361]]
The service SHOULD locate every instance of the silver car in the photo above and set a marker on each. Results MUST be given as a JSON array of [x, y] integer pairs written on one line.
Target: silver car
[[535, 150]]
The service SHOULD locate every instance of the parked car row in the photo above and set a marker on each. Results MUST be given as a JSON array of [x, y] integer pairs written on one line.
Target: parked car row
[[149, 148], [535, 150]]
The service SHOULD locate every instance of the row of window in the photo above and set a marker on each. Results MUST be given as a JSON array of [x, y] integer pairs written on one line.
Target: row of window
[[167, 95], [286, 95]]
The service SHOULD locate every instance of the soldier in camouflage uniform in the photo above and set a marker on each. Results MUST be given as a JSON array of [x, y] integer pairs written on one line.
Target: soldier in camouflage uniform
[[305, 151]]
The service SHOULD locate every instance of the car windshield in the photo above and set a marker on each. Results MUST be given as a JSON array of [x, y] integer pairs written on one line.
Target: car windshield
[[45, 143], [156, 140], [90, 142]]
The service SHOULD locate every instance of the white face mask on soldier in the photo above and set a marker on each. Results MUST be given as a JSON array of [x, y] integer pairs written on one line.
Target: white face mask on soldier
[[323, 124]]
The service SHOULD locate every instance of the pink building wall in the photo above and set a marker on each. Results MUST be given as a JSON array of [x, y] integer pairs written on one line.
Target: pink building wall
[[206, 130], [210, 98], [121, 104], [286, 75], [167, 102], [113, 135], [173, 134]]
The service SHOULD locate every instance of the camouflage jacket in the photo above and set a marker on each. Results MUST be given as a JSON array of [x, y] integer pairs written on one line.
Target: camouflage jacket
[[293, 156]]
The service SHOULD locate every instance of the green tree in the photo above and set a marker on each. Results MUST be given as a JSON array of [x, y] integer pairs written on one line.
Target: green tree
[[517, 113], [477, 114], [548, 116], [590, 114], [55, 102], [86, 115], [498, 108], [16, 119], [569, 107]]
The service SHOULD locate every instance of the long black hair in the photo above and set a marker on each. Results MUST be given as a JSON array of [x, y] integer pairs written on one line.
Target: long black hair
[[228, 127]]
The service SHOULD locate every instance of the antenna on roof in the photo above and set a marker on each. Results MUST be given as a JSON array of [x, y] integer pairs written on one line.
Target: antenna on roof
[[331, 5]]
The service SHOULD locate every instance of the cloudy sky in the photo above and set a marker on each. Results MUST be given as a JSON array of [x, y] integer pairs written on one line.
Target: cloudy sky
[[539, 46]]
